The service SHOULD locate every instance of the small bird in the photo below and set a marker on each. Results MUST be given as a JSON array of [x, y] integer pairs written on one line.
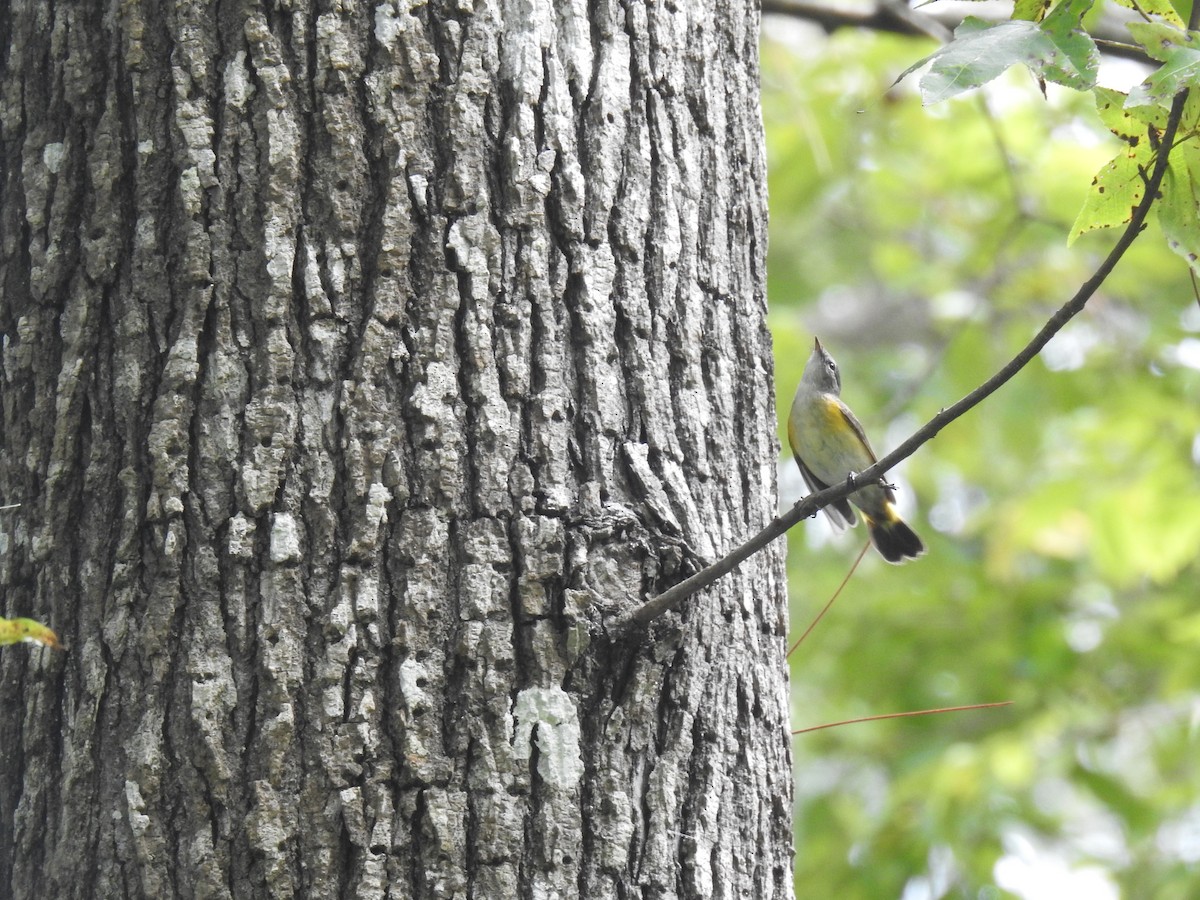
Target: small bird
[[829, 445]]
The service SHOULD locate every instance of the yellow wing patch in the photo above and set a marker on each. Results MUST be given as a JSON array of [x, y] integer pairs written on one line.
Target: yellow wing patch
[[837, 410]]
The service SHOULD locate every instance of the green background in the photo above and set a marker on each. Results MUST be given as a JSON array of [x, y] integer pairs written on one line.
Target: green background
[[925, 246]]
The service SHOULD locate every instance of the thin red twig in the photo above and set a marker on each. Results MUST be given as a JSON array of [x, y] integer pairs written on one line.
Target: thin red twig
[[903, 715], [821, 614]]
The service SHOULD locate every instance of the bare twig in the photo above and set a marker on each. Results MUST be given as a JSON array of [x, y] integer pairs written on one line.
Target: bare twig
[[903, 715], [1122, 48], [808, 506], [825, 609], [888, 17], [899, 11]]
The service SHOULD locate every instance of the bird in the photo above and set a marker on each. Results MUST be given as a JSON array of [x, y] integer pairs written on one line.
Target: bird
[[830, 445]]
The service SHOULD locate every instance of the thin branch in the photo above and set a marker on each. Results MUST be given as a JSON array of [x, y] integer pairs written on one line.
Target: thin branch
[[1141, 12], [808, 506], [903, 715], [899, 11], [895, 18], [825, 609], [1122, 48], [832, 17]]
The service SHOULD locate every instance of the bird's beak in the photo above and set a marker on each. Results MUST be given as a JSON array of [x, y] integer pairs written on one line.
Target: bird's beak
[[817, 343]]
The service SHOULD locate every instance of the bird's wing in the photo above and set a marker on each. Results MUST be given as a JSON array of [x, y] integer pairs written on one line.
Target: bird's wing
[[841, 513], [853, 422]]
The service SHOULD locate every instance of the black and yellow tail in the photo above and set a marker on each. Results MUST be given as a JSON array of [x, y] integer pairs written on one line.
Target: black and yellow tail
[[892, 537]]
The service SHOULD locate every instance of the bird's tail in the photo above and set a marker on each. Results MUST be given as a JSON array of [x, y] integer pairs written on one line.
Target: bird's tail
[[892, 537]]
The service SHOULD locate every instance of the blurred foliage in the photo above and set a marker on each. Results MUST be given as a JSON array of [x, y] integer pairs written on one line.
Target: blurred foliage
[[925, 247]]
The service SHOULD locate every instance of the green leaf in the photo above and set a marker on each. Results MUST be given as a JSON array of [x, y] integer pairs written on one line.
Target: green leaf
[[1030, 10], [13, 631], [969, 26], [1160, 88], [1119, 186], [1116, 190], [1161, 8], [1179, 207], [1180, 70], [1127, 123], [1058, 51], [1064, 27], [979, 54], [1160, 40]]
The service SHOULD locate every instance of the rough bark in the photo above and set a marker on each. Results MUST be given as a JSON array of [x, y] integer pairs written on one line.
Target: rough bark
[[360, 366]]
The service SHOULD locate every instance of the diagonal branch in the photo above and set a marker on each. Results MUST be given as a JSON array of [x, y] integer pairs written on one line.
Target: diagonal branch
[[894, 17], [808, 506]]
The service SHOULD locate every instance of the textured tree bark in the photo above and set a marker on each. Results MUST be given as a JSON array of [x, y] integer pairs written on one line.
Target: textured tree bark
[[361, 365]]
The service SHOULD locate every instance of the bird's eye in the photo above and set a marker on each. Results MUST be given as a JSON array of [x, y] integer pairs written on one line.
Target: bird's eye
[[832, 366]]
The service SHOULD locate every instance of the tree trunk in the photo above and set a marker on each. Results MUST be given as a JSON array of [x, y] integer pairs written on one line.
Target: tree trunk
[[362, 366]]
